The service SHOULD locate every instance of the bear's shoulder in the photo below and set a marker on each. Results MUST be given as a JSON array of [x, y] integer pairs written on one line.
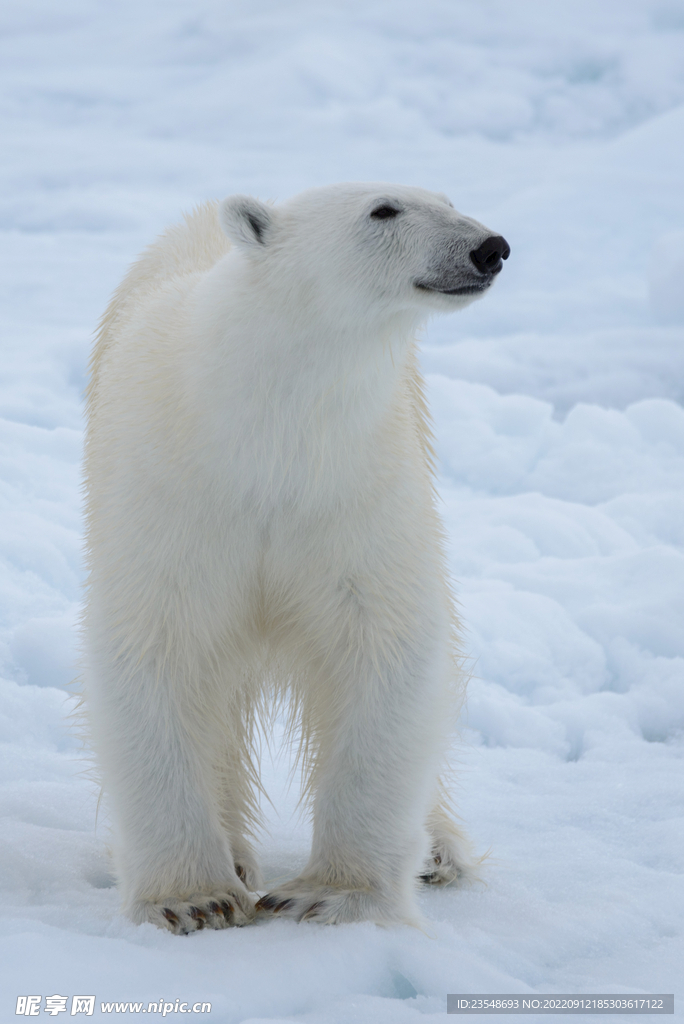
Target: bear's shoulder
[[193, 246]]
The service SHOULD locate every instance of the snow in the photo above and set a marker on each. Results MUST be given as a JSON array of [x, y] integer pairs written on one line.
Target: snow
[[558, 413]]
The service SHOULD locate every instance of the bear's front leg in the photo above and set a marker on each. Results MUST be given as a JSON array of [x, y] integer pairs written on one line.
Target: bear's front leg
[[157, 745], [377, 709]]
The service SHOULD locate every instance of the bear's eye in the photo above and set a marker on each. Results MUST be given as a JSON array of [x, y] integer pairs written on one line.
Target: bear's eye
[[384, 212]]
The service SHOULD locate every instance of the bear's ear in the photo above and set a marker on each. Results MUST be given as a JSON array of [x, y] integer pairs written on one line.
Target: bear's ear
[[246, 221]]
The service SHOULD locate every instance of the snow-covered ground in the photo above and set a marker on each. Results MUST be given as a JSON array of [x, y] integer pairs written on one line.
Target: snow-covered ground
[[558, 413]]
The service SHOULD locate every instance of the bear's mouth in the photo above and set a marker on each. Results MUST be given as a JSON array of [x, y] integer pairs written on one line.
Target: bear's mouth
[[464, 289]]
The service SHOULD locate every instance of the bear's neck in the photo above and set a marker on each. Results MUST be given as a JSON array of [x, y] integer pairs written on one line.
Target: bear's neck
[[290, 354], [290, 394]]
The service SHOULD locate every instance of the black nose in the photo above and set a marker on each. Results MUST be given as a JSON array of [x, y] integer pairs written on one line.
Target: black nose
[[487, 258]]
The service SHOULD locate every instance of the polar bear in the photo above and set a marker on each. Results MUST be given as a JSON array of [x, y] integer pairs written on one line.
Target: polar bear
[[261, 525]]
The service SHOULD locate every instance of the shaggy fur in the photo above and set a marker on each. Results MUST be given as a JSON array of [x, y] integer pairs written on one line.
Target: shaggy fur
[[262, 526]]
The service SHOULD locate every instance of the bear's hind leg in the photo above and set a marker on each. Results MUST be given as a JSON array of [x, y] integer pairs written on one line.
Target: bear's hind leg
[[240, 787], [451, 856]]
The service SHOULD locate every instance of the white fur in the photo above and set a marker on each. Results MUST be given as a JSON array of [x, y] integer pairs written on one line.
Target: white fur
[[261, 522]]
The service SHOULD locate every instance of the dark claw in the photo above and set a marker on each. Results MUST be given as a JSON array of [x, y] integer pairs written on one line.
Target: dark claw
[[197, 915], [171, 917], [429, 879], [224, 910], [283, 905], [312, 911], [267, 902], [240, 872], [437, 859], [273, 903], [227, 909]]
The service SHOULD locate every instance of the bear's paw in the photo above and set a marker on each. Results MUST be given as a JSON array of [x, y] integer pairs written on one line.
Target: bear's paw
[[304, 900], [204, 910], [449, 863]]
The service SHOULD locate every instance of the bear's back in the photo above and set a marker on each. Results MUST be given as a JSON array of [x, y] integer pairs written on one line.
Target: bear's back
[[183, 249]]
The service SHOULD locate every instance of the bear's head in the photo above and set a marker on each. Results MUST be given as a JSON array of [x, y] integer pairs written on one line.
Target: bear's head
[[375, 247]]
